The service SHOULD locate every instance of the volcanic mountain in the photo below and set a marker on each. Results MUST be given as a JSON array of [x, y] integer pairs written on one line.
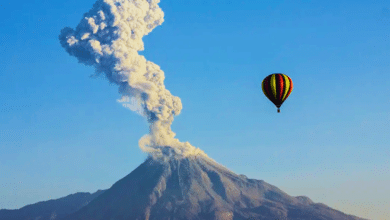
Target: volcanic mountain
[[197, 187]]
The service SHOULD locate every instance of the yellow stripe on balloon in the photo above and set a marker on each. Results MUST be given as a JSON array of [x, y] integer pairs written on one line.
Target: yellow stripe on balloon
[[273, 85], [286, 87]]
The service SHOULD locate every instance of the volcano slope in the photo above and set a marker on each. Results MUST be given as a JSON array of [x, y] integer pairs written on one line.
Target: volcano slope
[[198, 188]]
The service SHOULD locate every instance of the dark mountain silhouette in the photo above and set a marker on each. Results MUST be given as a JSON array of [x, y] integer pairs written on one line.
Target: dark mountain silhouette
[[198, 188], [52, 209]]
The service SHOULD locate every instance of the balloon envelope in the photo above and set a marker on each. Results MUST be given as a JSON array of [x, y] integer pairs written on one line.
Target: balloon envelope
[[277, 87]]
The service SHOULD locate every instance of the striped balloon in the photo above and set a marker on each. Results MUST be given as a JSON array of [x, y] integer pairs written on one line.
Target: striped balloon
[[277, 87]]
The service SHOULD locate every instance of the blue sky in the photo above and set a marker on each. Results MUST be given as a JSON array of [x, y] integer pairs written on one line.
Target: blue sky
[[62, 131]]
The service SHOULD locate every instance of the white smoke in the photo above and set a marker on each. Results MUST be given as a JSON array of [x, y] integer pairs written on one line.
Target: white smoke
[[109, 38]]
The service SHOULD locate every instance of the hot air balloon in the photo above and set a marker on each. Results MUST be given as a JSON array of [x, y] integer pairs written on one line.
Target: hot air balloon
[[277, 87]]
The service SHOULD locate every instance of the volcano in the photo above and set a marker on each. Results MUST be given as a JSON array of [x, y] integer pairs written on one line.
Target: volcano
[[198, 188]]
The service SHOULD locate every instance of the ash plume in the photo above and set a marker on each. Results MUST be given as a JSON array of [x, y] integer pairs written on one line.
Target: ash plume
[[109, 37]]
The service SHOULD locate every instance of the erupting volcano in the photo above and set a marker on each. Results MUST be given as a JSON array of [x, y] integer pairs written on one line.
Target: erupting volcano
[[178, 180]]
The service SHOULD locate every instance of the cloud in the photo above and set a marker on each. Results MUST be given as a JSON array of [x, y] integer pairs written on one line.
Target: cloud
[[108, 38]]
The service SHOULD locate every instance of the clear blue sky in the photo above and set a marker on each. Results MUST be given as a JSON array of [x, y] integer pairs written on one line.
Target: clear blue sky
[[63, 132]]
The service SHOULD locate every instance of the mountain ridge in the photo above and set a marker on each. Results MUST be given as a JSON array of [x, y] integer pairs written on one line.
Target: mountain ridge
[[198, 188], [50, 209], [190, 188]]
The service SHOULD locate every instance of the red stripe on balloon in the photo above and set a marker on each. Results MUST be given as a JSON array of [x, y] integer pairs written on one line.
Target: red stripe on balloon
[[281, 85]]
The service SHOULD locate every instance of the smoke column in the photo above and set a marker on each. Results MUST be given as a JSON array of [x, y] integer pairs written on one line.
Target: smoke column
[[109, 38]]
